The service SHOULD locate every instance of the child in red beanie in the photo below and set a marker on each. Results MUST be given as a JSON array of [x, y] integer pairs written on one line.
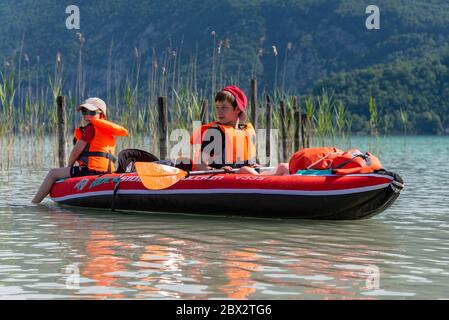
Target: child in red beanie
[[230, 142]]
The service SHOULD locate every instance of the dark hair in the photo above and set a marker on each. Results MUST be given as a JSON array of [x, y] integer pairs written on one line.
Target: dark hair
[[223, 96]]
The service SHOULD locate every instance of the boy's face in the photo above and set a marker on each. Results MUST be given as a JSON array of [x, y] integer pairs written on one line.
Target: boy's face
[[226, 113], [88, 115]]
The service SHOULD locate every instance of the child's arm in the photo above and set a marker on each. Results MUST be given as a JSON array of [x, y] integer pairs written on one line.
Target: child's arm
[[76, 152], [200, 165]]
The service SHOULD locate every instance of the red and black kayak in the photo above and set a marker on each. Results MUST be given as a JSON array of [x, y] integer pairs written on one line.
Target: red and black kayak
[[329, 197]]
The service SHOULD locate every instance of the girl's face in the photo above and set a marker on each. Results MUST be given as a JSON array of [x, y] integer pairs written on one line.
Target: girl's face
[[226, 114]]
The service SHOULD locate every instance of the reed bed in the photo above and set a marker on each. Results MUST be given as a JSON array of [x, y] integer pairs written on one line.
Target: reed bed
[[28, 104]]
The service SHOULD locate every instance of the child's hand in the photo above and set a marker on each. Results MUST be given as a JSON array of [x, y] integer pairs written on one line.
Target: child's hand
[[228, 169]]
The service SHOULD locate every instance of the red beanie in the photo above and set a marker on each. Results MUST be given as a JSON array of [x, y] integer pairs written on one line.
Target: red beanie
[[240, 98]]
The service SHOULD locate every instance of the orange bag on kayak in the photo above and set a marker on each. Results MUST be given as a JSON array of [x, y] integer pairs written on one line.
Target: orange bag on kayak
[[312, 158], [340, 162]]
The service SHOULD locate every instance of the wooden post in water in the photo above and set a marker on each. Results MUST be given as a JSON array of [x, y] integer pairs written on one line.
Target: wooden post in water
[[305, 131], [268, 128], [309, 131], [163, 124], [283, 130], [204, 112], [297, 121], [61, 114], [254, 103]]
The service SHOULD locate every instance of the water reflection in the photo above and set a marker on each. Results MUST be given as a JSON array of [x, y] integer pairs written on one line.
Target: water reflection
[[166, 256], [239, 270], [159, 263], [102, 260]]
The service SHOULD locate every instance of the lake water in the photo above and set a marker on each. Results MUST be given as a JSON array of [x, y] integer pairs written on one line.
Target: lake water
[[401, 254]]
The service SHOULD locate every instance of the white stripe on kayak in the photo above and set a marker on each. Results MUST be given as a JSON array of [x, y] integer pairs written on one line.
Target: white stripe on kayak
[[224, 191], [348, 175]]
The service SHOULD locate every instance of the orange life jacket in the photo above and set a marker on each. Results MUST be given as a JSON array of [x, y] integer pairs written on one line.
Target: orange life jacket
[[99, 153], [240, 144], [350, 162]]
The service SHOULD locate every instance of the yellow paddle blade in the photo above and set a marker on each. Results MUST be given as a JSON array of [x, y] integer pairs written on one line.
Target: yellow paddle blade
[[157, 176]]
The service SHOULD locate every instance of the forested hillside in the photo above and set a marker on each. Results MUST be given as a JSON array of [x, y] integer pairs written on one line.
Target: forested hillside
[[297, 46]]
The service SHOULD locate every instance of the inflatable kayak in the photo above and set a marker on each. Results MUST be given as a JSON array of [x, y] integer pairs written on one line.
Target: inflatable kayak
[[330, 197]]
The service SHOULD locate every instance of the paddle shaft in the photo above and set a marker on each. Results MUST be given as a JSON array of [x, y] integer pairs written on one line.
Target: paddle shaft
[[216, 171], [199, 173]]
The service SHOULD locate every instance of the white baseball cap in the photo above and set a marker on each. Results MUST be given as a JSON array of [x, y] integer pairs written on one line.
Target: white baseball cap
[[93, 104]]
